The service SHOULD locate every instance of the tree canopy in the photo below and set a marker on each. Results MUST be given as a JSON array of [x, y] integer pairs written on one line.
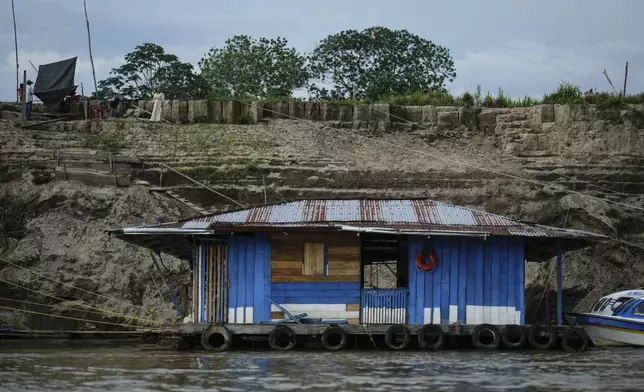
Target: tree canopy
[[378, 62], [149, 67], [249, 67]]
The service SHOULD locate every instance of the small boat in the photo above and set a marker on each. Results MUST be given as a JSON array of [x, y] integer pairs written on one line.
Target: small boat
[[616, 320]]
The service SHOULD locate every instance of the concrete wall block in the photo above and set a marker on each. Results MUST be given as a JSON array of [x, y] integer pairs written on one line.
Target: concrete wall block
[[149, 106], [544, 114], [215, 115], [280, 109], [381, 115], [429, 115], [330, 112], [296, 109], [198, 111], [244, 112], [231, 112], [562, 114], [256, 111], [362, 113], [448, 119], [166, 111], [312, 111], [267, 111], [469, 118], [141, 104], [345, 112], [414, 114], [179, 111]]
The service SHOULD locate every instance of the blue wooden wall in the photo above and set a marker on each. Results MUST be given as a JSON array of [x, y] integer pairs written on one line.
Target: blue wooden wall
[[249, 274], [475, 281], [316, 293]]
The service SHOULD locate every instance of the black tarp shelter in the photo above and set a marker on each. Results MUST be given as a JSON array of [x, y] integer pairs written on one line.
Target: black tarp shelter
[[55, 81]]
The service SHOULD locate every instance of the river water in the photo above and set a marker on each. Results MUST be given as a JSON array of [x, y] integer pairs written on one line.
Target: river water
[[130, 369]]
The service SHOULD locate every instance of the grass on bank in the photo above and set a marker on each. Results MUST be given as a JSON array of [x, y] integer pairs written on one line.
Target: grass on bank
[[566, 93]]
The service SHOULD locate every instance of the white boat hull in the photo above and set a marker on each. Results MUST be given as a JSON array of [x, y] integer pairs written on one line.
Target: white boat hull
[[604, 336]]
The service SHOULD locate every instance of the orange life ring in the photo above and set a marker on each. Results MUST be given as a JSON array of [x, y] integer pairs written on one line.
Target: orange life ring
[[427, 264]]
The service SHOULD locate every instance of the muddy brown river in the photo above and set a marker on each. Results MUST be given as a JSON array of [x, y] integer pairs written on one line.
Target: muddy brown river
[[130, 369]]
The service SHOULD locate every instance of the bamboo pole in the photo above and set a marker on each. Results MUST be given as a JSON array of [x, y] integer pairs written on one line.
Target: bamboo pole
[[24, 97], [625, 79], [15, 39], [84, 101], [89, 42], [610, 82]]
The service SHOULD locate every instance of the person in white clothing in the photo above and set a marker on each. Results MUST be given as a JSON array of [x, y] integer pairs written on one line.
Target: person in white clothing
[[30, 100], [158, 103]]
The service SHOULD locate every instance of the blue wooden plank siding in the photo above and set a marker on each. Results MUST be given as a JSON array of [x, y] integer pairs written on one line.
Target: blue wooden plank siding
[[384, 306], [249, 276], [475, 281], [326, 293], [323, 300]]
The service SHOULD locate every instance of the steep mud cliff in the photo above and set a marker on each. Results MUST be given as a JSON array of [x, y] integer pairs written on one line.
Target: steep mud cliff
[[469, 157]]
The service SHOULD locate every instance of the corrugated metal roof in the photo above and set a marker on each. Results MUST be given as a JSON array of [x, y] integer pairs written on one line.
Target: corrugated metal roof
[[397, 215]]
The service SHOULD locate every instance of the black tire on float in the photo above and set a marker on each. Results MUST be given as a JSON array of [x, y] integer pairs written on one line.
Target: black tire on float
[[397, 337], [575, 340], [431, 337], [486, 337], [282, 338], [334, 338], [513, 336], [542, 337], [216, 338]]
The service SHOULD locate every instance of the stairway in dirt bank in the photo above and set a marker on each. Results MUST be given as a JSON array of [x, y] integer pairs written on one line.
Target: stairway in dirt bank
[[60, 155]]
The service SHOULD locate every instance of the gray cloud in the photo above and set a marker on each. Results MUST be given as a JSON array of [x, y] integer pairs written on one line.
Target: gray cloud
[[524, 47]]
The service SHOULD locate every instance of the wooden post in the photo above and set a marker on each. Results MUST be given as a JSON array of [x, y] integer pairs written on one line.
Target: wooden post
[[610, 82], [89, 42], [15, 38], [559, 284], [65, 171], [84, 101], [24, 97], [625, 79]]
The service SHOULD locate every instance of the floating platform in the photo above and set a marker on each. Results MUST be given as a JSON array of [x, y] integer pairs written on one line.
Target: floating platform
[[335, 337]]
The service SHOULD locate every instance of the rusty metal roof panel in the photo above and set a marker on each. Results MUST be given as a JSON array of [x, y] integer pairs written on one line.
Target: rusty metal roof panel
[[406, 215]]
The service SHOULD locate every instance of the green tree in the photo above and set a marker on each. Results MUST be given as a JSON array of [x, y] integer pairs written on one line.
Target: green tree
[[377, 62], [249, 67], [149, 67]]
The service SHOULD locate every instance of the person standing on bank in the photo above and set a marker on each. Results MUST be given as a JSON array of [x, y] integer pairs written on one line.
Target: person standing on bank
[[158, 103], [30, 100]]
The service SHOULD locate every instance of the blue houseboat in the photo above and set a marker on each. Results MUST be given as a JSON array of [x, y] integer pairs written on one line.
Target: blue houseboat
[[301, 268]]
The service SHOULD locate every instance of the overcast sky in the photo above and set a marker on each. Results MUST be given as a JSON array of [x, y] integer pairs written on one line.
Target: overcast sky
[[525, 47]]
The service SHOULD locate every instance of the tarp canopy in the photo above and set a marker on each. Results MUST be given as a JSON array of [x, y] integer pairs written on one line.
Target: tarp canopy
[[55, 81]]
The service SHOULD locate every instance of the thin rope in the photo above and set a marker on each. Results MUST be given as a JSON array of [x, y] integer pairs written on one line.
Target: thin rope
[[88, 306], [450, 160], [547, 286], [203, 185], [74, 318], [71, 286], [55, 306]]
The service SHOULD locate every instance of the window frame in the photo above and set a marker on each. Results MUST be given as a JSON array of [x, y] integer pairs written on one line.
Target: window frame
[[325, 258]]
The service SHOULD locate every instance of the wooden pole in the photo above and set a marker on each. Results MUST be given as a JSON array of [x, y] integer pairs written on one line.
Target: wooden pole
[[89, 42], [610, 82], [24, 97], [15, 39], [625, 79], [84, 101], [34, 67]]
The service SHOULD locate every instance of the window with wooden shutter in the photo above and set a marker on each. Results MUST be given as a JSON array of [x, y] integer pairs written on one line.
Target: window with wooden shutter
[[313, 263]]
